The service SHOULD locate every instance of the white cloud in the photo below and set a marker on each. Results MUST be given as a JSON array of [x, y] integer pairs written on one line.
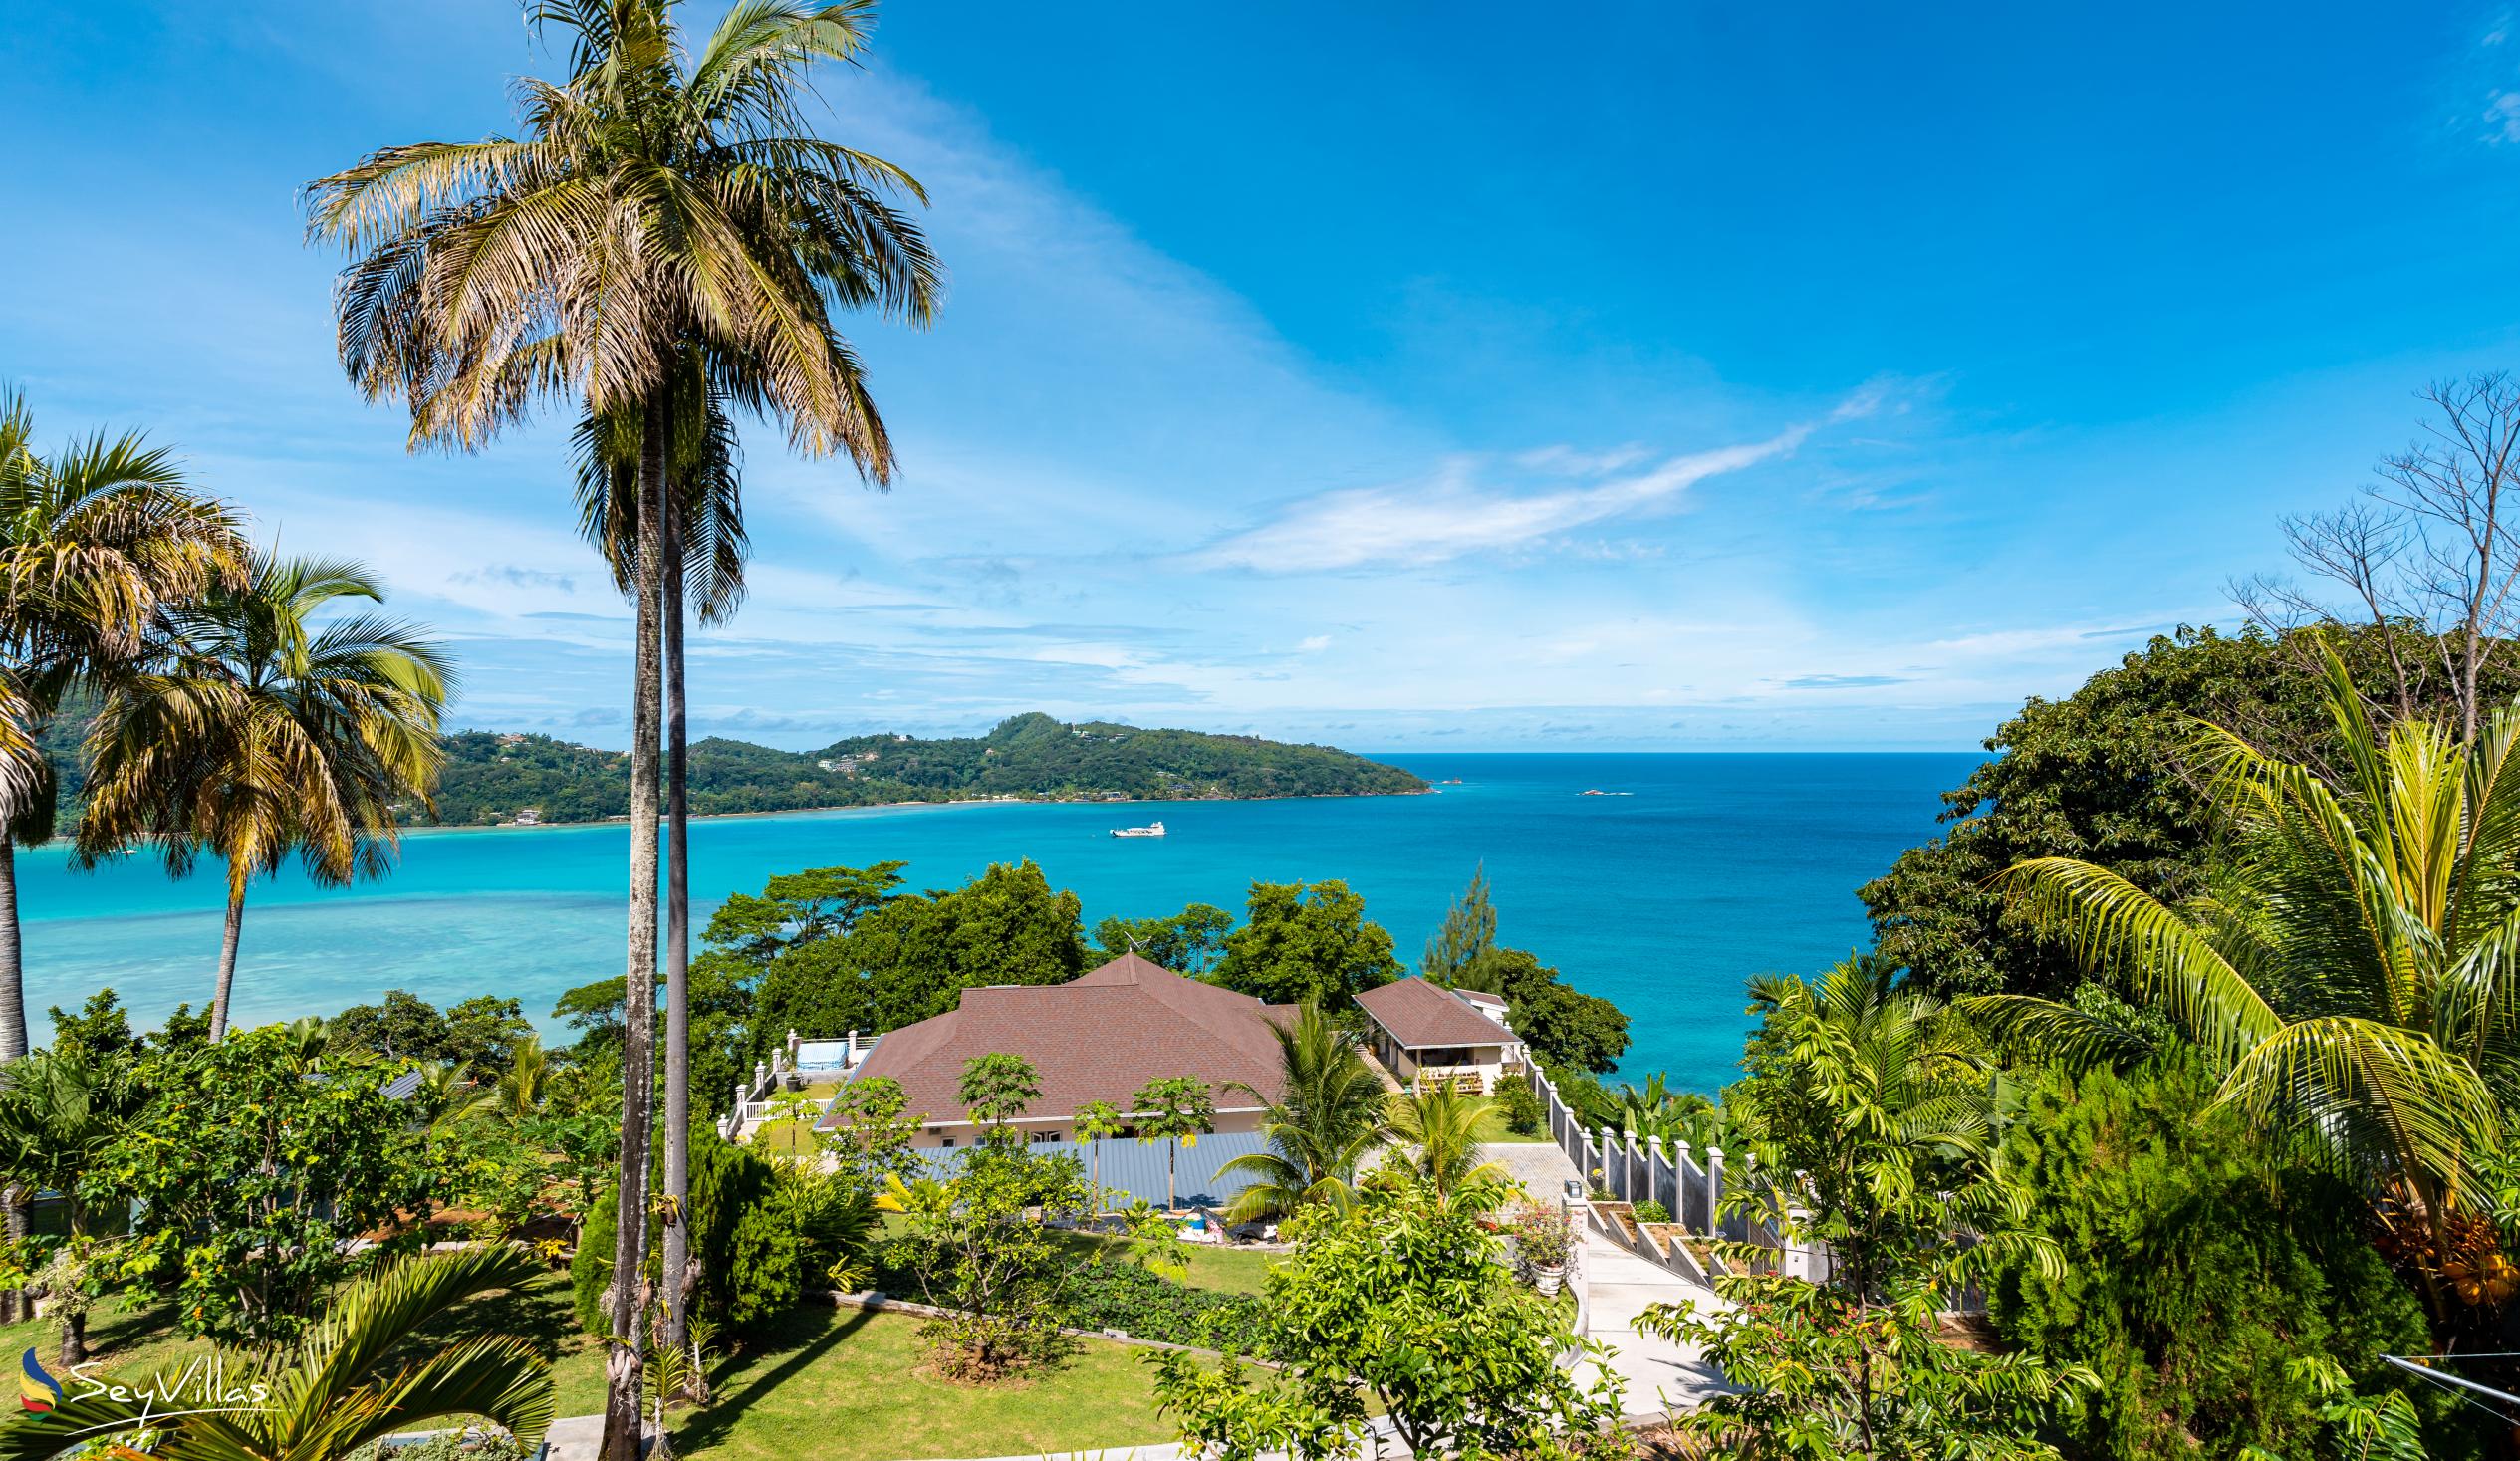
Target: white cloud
[[1453, 515]]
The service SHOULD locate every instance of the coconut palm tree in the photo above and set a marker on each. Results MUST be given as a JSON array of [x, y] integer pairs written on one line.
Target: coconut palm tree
[[663, 198], [360, 1375], [93, 539], [262, 728], [1326, 1118], [1443, 1125], [2355, 970]]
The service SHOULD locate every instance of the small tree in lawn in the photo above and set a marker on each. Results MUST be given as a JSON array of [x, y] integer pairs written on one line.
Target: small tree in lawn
[[981, 1246], [996, 1088], [1097, 1121], [1396, 1304], [1177, 1110], [870, 1132]]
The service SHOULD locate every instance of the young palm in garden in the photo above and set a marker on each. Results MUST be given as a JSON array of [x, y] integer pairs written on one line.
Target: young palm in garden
[[1322, 1126], [259, 729], [2355, 974], [663, 198]]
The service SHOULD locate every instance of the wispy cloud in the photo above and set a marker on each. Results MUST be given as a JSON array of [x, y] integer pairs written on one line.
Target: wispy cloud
[[1843, 681], [1456, 514]]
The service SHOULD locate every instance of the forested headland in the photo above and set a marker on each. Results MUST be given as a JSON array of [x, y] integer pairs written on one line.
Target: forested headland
[[490, 777]]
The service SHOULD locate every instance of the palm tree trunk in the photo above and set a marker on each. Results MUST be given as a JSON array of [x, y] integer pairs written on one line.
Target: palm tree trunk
[[12, 969], [12, 1305], [624, 1363], [227, 956], [678, 1261]]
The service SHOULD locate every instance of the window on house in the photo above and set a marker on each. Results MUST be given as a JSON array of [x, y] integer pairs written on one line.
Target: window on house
[[948, 1141], [1043, 1138]]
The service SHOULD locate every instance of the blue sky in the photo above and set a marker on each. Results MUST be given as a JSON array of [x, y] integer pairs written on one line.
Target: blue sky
[[1401, 375]]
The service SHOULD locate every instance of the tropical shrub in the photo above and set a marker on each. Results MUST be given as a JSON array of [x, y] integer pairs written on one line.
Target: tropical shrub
[[1651, 1211], [1521, 1107], [1398, 1303], [980, 1244], [254, 1167], [2199, 1262], [1137, 1301]]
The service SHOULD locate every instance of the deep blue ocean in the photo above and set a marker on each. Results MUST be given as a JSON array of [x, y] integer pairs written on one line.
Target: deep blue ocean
[[1711, 868]]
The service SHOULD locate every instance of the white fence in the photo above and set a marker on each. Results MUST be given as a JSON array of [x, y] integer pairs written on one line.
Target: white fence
[[799, 1062], [1689, 1184]]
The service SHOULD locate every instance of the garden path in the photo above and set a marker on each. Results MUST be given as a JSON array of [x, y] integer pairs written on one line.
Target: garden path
[[1660, 1375]]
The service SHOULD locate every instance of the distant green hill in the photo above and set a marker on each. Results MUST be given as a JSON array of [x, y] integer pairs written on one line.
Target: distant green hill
[[489, 776]]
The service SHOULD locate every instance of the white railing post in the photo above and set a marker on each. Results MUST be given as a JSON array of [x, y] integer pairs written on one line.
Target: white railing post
[[1714, 1190], [1680, 1183]]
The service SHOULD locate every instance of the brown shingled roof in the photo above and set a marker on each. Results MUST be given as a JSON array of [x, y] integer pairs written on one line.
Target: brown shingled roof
[[1099, 1036], [1420, 1015]]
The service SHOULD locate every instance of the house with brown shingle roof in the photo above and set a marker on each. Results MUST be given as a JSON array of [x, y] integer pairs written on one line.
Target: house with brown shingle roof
[[1425, 1033], [1102, 1036]]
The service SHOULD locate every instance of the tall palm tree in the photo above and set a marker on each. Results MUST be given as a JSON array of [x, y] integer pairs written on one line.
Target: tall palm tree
[[361, 1375], [92, 541], [663, 198], [2354, 972], [264, 726], [1443, 1125], [1325, 1119], [1097, 1121]]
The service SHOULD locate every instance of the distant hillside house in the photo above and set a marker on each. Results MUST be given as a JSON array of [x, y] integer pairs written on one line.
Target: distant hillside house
[[1428, 1035], [1102, 1036]]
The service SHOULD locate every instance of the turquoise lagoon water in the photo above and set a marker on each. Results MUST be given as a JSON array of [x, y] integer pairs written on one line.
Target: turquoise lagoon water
[[1711, 869]]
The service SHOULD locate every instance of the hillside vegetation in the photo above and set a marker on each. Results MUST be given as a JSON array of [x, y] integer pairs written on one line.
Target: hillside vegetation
[[489, 776]]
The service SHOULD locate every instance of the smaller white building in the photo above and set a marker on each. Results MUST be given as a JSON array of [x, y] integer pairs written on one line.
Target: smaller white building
[[1427, 1035]]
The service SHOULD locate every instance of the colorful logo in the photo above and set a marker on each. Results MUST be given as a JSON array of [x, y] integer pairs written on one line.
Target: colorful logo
[[36, 1391]]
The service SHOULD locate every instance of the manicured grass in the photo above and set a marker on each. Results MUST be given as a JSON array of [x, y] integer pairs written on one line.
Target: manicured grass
[[1494, 1132], [1226, 1270], [849, 1385]]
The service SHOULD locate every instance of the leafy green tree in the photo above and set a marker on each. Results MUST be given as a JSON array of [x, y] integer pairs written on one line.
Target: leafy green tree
[[982, 1248], [1097, 1121], [1396, 1304], [872, 1130], [1327, 1117], [60, 1111], [796, 908], [481, 1032], [101, 1031], [252, 1170], [269, 725], [1441, 1127], [913, 956], [2200, 1263], [995, 1089], [2106, 776], [1176, 1110], [1306, 944], [95, 539], [1189, 942], [1566, 1030], [363, 1374], [2352, 977]]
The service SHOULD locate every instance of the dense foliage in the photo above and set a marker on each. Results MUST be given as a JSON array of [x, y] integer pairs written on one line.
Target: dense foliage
[[489, 778], [2104, 775], [2198, 1263], [253, 1166], [1397, 1302], [1136, 1300], [1306, 944]]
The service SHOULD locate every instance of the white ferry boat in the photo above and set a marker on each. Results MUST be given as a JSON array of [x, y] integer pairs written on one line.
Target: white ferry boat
[[1151, 829]]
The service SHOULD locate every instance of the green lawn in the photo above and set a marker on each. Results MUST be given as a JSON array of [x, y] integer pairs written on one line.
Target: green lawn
[[1494, 1132], [1226, 1270], [849, 1385]]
